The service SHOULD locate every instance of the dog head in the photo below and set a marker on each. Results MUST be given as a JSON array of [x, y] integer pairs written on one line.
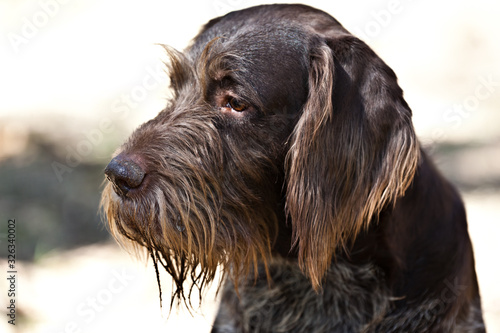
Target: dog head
[[278, 114]]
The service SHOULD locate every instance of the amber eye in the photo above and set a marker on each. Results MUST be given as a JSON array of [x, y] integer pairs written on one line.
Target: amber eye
[[236, 105]]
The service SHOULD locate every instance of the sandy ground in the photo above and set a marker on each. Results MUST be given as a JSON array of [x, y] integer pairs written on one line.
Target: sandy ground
[[101, 288], [483, 211]]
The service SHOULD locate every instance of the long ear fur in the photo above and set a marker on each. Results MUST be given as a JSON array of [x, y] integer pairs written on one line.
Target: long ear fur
[[353, 151]]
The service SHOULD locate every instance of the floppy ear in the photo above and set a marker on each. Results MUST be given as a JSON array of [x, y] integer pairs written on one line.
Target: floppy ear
[[353, 151]]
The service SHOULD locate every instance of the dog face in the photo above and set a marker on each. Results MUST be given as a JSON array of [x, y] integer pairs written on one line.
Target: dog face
[[278, 116]]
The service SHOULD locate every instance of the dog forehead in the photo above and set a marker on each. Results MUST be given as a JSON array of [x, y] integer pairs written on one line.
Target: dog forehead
[[271, 59], [310, 19], [255, 31], [270, 40], [253, 43]]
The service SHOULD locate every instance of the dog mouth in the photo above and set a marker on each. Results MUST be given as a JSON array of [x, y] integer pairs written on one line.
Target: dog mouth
[[189, 231], [185, 206]]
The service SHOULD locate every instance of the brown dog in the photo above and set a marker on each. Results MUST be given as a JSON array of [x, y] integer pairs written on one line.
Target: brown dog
[[287, 157]]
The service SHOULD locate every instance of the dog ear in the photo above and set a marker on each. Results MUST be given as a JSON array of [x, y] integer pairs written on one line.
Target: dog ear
[[352, 153]]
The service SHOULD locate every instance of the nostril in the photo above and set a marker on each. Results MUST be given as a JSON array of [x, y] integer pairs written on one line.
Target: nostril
[[125, 174]]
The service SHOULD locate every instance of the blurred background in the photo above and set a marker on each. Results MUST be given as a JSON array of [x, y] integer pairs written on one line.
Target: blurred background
[[76, 77]]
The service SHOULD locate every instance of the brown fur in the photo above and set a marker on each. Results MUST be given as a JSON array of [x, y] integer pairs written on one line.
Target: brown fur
[[287, 158]]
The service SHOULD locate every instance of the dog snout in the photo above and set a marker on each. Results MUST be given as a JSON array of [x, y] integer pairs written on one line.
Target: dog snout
[[125, 174]]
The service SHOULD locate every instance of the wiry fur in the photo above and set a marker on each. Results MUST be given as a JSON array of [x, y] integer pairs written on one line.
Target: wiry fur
[[370, 168], [352, 297], [287, 158], [191, 208]]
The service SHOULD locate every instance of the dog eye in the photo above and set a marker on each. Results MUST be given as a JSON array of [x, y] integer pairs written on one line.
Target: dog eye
[[236, 105]]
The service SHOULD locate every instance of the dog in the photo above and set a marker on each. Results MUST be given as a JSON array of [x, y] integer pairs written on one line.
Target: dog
[[287, 159]]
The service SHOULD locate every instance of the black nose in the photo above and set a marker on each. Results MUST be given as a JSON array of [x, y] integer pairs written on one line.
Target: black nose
[[125, 174]]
